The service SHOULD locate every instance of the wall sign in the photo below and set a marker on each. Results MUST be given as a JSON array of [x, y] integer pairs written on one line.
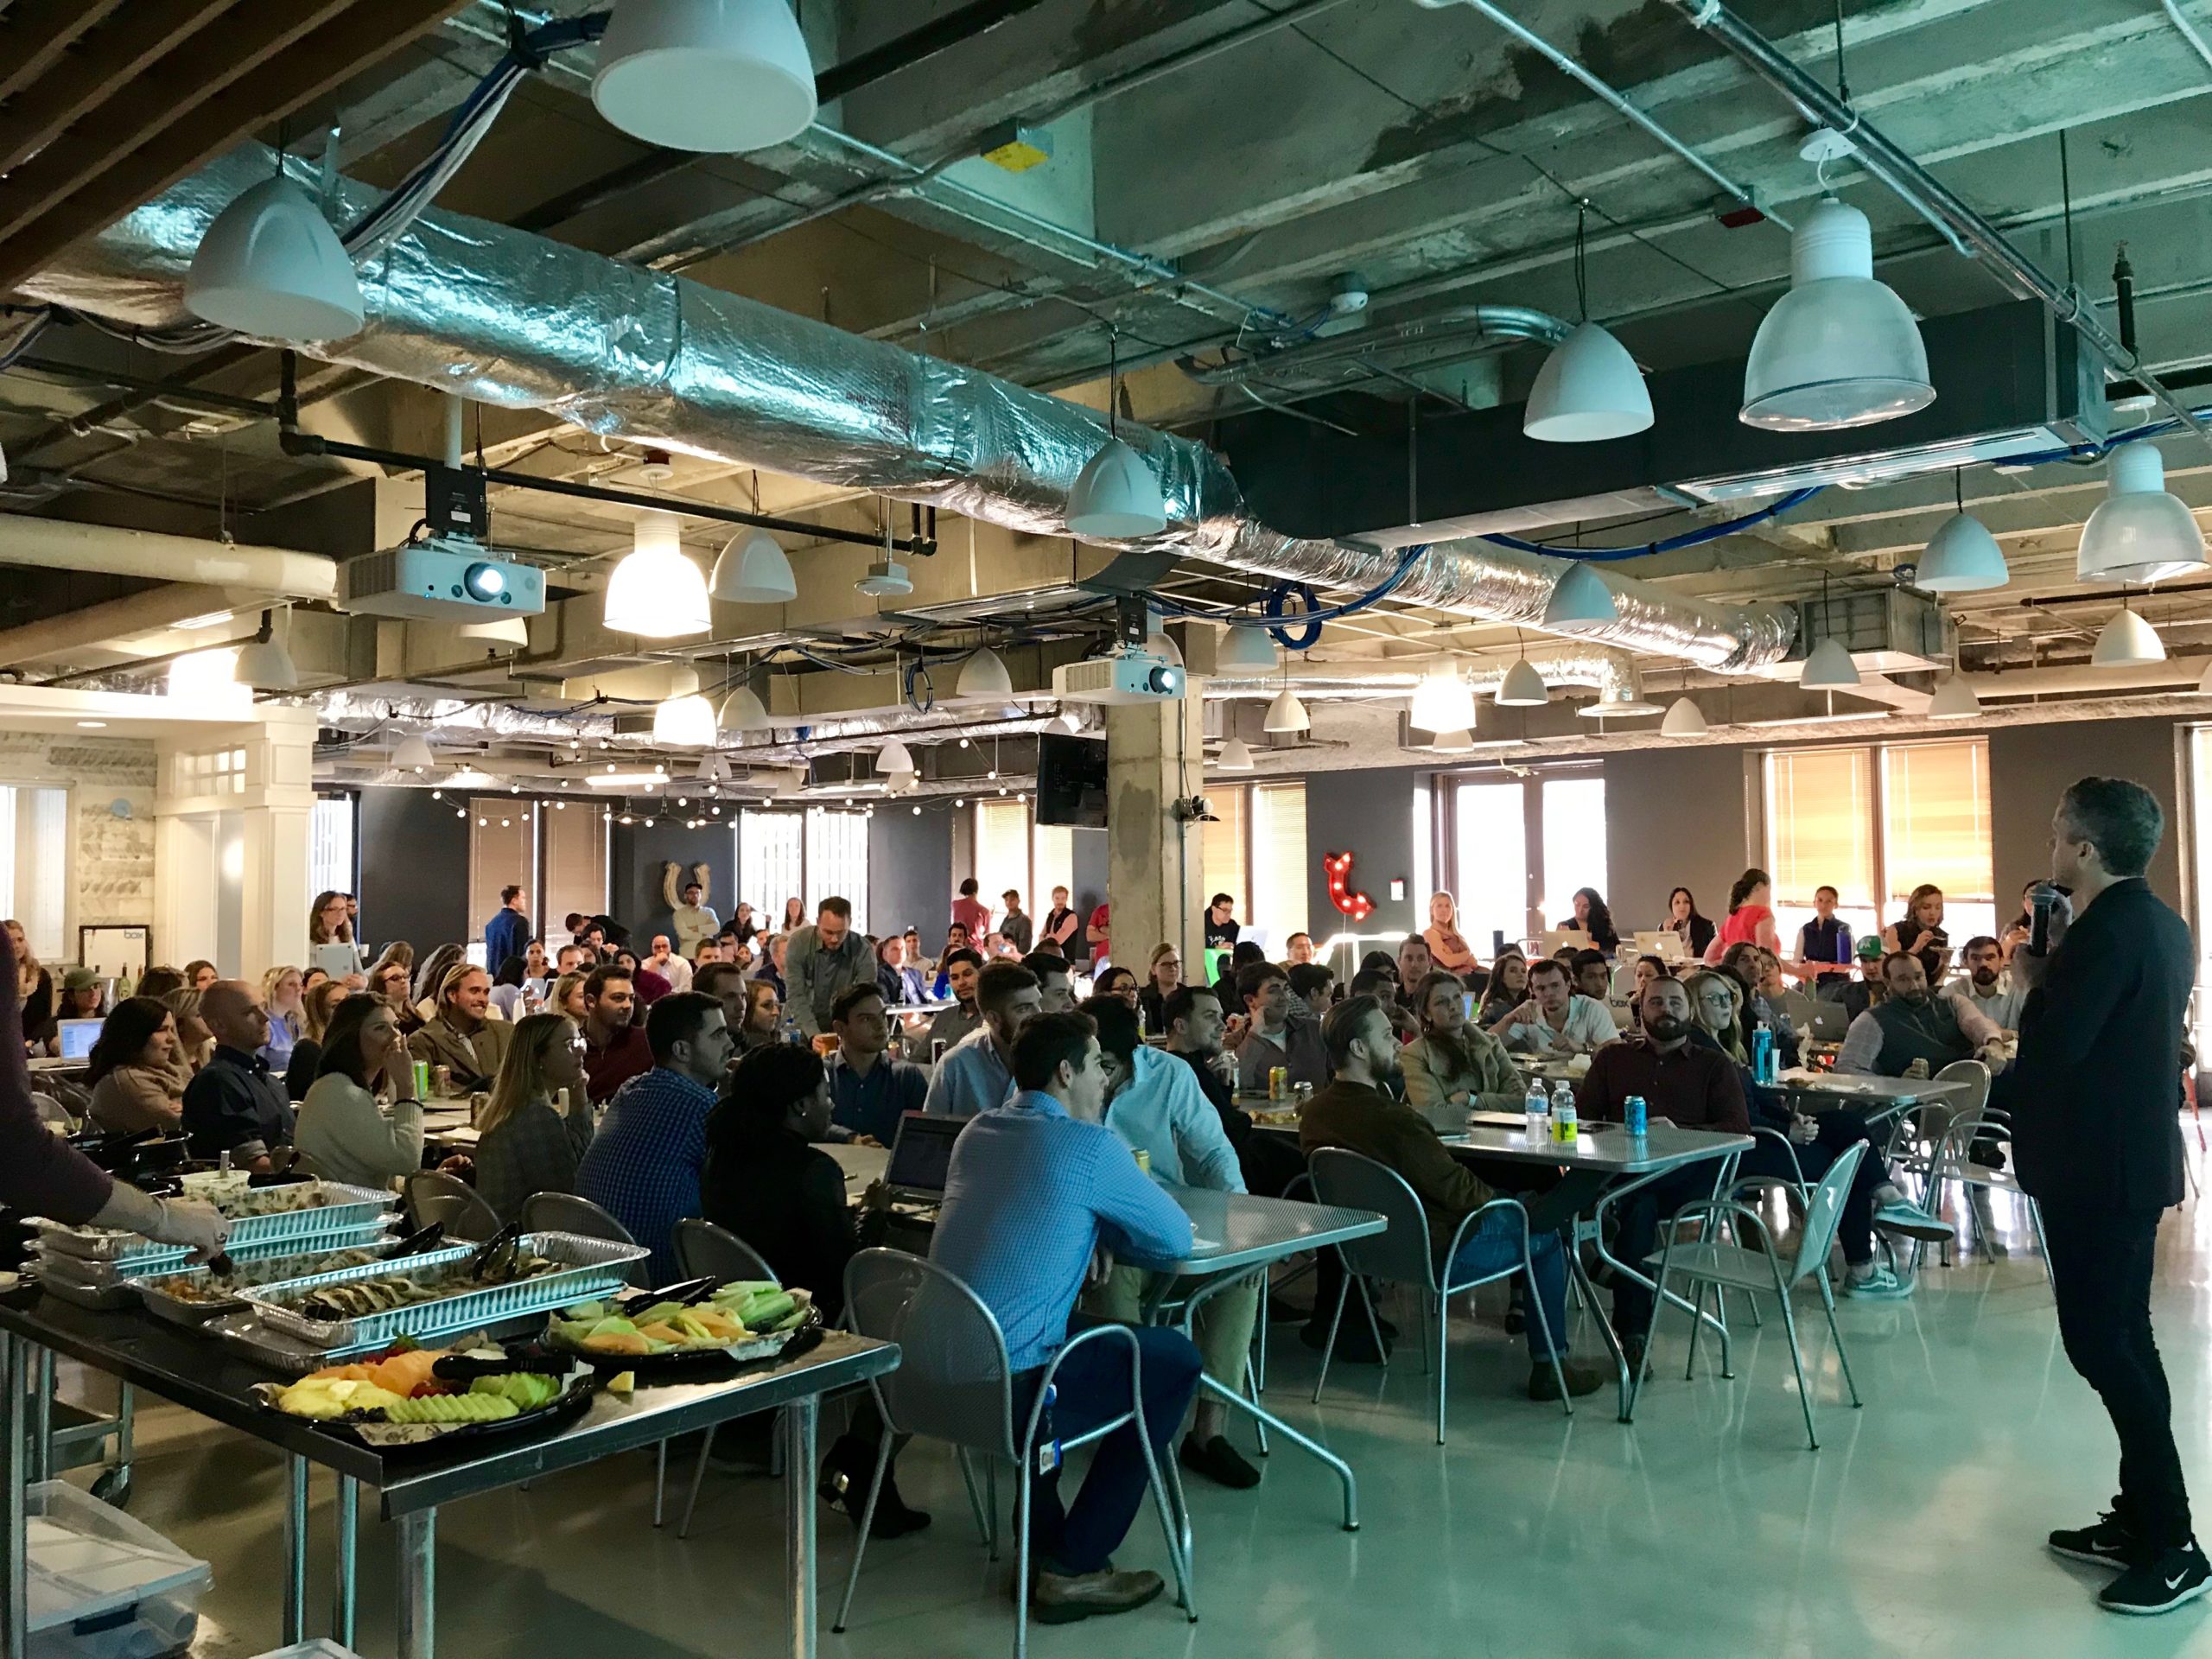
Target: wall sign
[[1349, 899]]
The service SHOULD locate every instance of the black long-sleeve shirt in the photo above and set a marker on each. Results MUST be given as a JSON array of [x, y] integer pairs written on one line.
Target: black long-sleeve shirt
[[786, 1199]]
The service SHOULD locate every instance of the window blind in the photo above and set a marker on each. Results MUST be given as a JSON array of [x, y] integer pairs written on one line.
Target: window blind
[[1052, 865], [1222, 850], [574, 840], [1277, 900], [770, 862], [1002, 852], [502, 852], [1935, 818], [1820, 826], [836, 861]]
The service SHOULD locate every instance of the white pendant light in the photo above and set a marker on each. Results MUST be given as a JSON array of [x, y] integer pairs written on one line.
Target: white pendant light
[[656, 593], [414, 753], [753, 569], [2127, 641], [1954, 699], [1839, 349], [714, 76], [1621, 703], [983, 679], [502, 630], [1579, 603], [1589, 390], [684, 719], [2141, 531], [1235, 756], [1522, 688], [1070, 721], [270, 266], [894, 757], [209, 680], [1244, 649], [1961, 558], [743, 711], [713, 769], [1828, 668], [1458, 742], [1285, 713], [1684, 718], [1442, 702], [1116, 496]]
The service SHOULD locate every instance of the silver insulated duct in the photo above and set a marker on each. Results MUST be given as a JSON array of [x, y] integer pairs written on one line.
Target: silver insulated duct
[[514, 318]]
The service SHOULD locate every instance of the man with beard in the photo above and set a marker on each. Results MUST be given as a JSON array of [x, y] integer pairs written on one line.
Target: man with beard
[[1354, 1112], [1912, 1034], [1195, 1024], [1983, 989]]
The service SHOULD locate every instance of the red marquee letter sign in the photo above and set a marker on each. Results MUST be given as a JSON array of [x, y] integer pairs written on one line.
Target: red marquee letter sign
[[1354, 903]]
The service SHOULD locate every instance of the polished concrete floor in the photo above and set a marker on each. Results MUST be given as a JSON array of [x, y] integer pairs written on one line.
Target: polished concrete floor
[[1706, 1528]]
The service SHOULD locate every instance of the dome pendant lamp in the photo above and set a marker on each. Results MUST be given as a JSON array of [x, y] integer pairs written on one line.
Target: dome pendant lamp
[[1589, 389], [1684, 718], [1116, 496], [2141, 531], [270, 266], [1962, 556], [1244, 649], [753, 569], [709, 76], [1580, 603], [656, 593], [1235, 756], [1523, 686], [2127, 641], [1839, 349]]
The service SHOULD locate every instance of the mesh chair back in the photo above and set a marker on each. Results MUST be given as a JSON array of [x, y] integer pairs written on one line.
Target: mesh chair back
[[954, 1381], [433, 1195], [1402, 1252], [1824, 1210], [564, 1213], [702, 1248], [1974, 1100]]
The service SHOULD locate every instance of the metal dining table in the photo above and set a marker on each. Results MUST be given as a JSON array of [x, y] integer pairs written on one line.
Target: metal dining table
[[1236, 1238], [1877, 1099]]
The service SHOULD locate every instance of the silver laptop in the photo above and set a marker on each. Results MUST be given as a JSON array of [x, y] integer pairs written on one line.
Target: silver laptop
[[1829, 1022], [921, 1156], [76, 1037]]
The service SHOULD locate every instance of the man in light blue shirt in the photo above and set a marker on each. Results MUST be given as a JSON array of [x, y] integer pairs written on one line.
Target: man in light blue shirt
[[1038, 1195], [977, 1073]]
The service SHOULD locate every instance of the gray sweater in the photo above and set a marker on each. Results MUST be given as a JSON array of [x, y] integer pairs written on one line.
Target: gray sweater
[[814, 974]]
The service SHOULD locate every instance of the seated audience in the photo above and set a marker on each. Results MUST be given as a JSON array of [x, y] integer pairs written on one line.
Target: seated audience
[[1356, 1112], [284, 993], [1508, 990], [725, 983], [1195, 1025], [1859, 993], [1055, 981], [1381, 983], [343, 1126], [1166, 973], [1298, 949], [977, 1075], [1694, 930], [462, 1036], [1454, 1067], [1312, 986], [663, 961], [870, 1088], [1746, 965], [649, 986], [1117, 982], [158, 983], [1592, 917], [134, 1079], [899, 983], [1913, 1034], [956, 939], [643, 1167], [762, 1023], [1155, 1104], [1556, 1018], [199, 973], [527, 1144], [1035, 1187], [1983, 987], [1415, 964], [234, 1104], [1792, 1007], [1919, 932], [315, 1011], [1593, 975], [1271, 1037], [1221, 924], [510, 996], [567, 998], [1824, 943], [948, 1026], [430, 976], [195, 1043], [615, 1050]]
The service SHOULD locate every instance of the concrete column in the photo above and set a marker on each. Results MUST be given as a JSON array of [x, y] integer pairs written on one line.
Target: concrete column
[[1154, 754]]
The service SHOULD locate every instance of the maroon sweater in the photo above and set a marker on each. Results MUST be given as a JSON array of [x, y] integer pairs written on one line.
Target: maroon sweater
[[41, 1175]]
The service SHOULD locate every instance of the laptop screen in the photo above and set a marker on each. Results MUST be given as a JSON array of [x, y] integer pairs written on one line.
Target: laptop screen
[[78, 1037], [923, 1152]]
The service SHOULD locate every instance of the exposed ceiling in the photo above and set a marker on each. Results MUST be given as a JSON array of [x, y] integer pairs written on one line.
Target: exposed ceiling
[[1217, 165]]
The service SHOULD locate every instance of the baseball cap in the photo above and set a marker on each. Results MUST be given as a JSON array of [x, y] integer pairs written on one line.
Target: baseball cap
[[1870, 947]]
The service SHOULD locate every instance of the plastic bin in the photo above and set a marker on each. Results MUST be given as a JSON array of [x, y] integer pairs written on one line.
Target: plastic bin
[[103, 1585]]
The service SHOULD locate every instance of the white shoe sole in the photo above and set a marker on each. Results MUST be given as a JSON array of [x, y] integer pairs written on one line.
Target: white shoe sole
[[2181, 1600], [2119, 1564]]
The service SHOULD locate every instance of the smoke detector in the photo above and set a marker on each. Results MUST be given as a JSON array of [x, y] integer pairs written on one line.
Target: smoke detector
[[657, 467], [885, 579]]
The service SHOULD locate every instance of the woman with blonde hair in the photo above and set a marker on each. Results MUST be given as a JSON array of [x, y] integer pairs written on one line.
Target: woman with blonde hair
[[567, 998], [33, 987], [1716, 1009], [1451, 953], [529, 1140], [315, 1009], [282, 994], [195, 1043], [430, 977], [1161, 979]]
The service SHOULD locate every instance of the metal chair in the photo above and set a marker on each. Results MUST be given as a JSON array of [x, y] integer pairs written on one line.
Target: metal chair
[[564, 1213], [955, 1382], [1404, 1254], [1716, 1260], [1954, 1160], [433, 1195], [703, 1249]]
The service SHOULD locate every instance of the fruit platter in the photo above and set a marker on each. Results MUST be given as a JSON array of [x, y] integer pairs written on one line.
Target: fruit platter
[[705, 1318], [411, 1396]]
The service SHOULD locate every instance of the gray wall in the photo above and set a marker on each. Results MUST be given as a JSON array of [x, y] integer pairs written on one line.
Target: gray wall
[[910, 872], [2029, 767], [1674, 817], [635, 854], [1370, 816], [414, 860]]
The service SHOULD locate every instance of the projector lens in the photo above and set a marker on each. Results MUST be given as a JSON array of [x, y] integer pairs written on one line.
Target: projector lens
[[484, 582]]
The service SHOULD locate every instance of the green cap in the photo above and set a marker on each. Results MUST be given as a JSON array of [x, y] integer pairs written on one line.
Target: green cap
[[1870, 947]]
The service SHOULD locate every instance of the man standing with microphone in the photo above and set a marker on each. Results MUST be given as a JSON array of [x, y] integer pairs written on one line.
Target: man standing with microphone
[[2096, 1132]]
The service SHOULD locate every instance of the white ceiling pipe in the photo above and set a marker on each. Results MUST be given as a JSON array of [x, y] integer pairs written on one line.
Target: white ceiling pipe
[[59, 544], [117, 619], [1609, 672]]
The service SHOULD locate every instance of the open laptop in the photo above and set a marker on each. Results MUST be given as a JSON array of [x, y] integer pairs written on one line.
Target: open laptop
[[1666, 944], [1829, 1022], [1556, 939], [921, 1156], [76, 1038]]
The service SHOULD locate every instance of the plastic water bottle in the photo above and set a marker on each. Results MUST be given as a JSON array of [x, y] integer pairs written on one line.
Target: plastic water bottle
[[1763, 1069], [1564, 1128], [1540, 1113]]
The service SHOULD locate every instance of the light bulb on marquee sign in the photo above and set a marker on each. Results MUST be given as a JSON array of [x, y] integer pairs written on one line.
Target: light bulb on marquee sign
[[1352, 902]]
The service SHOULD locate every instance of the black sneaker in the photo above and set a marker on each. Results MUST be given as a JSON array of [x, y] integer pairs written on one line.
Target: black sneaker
[[2160, 1585], [2109, 1544], [1219, 1462]]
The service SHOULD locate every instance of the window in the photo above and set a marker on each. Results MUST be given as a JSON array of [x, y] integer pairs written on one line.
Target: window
[[1489, 866], [1874, 824], [330, 844], [1224, 855], [770, 862], [1574, 845], [502, 852], [1002, 853], [1514, 850], [1052, 865], [836, 861], [573, 844], [34, 867], [1277, 900]]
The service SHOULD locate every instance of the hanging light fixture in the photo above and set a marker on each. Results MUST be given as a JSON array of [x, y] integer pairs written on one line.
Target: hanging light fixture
[[1442, 702], [1684, 718], [894, 757], [1235, 756], [1285, 713], [753, 568], [743, 711], [501, 631], [1828, 668], [1456, 742], [983, 679], [712, 76], [270, 266], [713, 769], [1589, 388], [656, 593], [1839, 349], [1116, 495], [2141, 532], [209, 678], [415, 754], [684, 719], [1954, 699], [1627, 703], [262, 662], [1579, 602], [1522, 688], [1962, 556], [1244, 649], [2127, 641]]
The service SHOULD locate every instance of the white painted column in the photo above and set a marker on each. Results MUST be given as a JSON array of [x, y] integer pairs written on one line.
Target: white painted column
[[1154, 754], [264, 772]]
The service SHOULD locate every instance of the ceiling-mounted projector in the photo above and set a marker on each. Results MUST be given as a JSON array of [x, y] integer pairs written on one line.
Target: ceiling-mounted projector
[[1129, 676], [448, 578]]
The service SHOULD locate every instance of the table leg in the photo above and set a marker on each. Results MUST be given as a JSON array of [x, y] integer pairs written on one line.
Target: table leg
[[1603, 1322], [14, 1609], [1260, 1414], [418, 1585], [798, 1520], [40, 1460], [295, 1548], [342, 1591]]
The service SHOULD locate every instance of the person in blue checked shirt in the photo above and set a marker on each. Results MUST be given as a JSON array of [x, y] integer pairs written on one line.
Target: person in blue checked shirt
[[1038, 1197]]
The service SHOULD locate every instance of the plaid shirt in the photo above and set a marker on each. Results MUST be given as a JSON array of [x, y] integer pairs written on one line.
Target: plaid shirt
[[643, 1167]]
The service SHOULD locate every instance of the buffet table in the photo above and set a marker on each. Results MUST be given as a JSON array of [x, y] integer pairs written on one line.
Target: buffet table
[[200, 1374]]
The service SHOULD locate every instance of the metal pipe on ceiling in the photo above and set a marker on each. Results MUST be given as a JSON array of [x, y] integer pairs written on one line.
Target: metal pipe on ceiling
[[510, 319], [1502, 324]]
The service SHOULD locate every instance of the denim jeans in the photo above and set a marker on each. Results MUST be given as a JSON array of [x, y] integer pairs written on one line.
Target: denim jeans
[[1496, 1245]]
